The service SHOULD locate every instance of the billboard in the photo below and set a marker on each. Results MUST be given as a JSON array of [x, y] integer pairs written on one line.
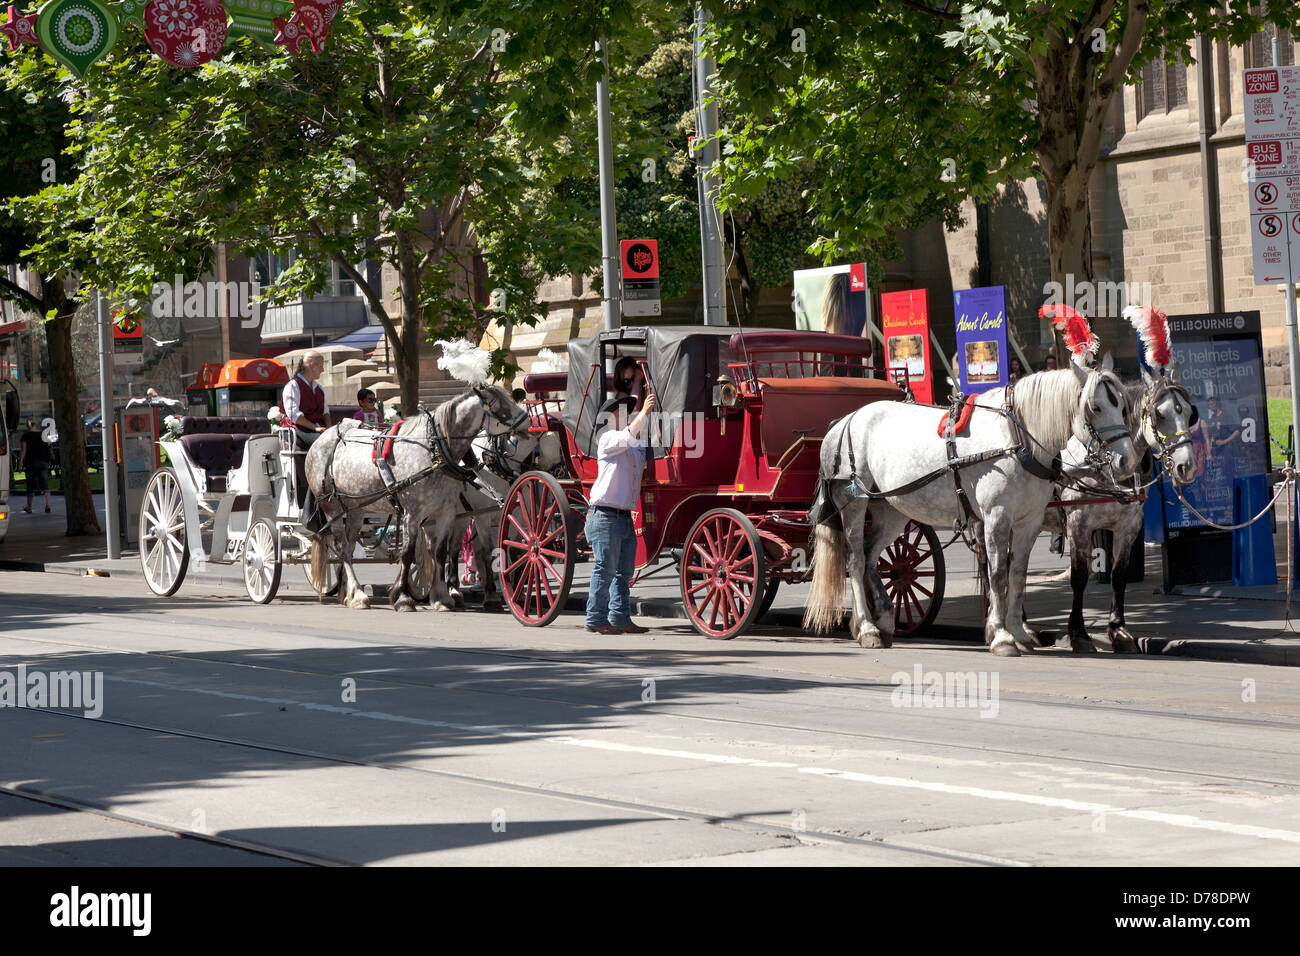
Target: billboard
[[905, 324], [834, 299], [982, 356]]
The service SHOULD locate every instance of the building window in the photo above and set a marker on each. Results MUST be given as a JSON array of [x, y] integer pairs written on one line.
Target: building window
[[1259, 51], [1162, 88]]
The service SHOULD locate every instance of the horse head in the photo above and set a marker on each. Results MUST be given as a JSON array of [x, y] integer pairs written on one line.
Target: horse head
[[1168, 416], [1100, 419]]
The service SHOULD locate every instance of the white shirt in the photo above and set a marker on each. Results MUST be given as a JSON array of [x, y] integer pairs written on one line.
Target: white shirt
[[621, 457], [292, 398]]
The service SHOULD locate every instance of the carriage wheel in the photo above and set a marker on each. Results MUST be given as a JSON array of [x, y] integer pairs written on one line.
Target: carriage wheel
[[723, 571], [769, 595], [537, 549], [912, 568], [164, 548], [261, 561], [333, 576]]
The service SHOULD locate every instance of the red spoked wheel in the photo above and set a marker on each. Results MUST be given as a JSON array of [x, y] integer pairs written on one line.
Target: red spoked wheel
[[913, 570], [723, 574], [537, 549]]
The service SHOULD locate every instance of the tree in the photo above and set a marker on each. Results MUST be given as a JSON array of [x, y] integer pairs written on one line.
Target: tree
[[887, 97], [422, 134], [33, 146]]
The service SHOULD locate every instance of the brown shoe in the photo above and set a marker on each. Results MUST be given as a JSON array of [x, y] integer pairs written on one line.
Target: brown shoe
[[603, 629], [634, 628]]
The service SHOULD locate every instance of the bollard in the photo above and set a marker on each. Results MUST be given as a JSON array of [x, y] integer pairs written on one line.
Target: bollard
[[1253, 560]]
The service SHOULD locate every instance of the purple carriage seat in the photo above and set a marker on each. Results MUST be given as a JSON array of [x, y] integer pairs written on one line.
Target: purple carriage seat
[[217, 444]]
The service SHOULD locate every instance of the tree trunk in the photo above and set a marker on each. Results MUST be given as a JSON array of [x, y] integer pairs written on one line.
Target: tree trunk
[[75, 479]]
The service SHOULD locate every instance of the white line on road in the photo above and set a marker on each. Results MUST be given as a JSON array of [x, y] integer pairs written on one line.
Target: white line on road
[[1152, 816]]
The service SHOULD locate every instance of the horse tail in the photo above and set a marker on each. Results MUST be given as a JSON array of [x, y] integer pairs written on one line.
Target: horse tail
[[826, 598], [319, 563]]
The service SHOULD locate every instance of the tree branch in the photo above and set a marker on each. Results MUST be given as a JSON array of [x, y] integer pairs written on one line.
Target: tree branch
[[18, 294]]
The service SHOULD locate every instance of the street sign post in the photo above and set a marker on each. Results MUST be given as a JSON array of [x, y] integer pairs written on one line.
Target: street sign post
[[640, 263]]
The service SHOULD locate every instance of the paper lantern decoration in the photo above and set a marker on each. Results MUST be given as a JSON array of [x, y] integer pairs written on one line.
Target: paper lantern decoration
[[186, 33], [77, 32], [130, 13], [256, 18], [310, 22], [20, 30]]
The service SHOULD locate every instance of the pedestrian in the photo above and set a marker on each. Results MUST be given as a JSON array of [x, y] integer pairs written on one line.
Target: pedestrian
[[629, 379], [368, 413], [307, 411], [1049, 364], [1014, 370], [620, 453], [34, 459]]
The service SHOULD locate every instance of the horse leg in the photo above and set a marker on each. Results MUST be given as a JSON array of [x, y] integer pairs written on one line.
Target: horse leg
[[1022, 542], [412, 541], [449, 569], [350, 591], [1121, 641], [1076, 634], [443, 529], [886, 525], [485, 532], [861, 624], [997, 548]]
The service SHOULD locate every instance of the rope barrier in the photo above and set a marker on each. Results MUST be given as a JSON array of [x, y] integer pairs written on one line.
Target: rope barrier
[[1286, 483]]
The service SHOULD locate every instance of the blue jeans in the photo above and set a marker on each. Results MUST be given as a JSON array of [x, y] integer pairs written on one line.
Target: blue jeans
[[613, 540]]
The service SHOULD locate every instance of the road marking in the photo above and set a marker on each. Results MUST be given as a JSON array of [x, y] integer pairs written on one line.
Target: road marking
[[1057, 803]]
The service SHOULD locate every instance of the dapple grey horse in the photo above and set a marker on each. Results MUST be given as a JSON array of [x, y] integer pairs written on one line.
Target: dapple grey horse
[[887, 446], [427, 476], [499, 463], [1160, 417]]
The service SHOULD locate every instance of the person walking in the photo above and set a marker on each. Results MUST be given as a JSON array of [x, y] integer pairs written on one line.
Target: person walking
[[34, 459], [620, 454]]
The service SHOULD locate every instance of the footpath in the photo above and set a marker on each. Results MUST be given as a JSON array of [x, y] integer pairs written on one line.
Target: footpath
[[1215, 622]]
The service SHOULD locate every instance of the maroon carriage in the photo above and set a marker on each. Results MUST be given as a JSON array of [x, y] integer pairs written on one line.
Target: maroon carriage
[[731, 471]]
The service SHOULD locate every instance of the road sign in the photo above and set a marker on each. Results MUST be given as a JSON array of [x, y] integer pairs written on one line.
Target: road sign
[[1273, 155], [128, 339], [640, 263]]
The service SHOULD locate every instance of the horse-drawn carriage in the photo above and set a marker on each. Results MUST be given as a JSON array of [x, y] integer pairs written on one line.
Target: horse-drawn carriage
[[229, 495], [732, 469]]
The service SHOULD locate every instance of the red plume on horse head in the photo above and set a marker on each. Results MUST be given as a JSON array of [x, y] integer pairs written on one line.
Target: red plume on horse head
[[1079, 337], [1153, 329]]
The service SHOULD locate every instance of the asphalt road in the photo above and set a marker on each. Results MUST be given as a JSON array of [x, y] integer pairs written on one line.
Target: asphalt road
[[300, 733]]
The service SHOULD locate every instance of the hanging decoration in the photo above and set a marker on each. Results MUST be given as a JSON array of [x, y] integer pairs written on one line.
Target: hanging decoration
[[1079, 337], [185, 33], [77, 32], [256, 18], [130, 13], [20, 30]]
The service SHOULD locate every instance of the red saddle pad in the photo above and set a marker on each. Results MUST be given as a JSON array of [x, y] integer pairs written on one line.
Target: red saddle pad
[[963, 418], [387, 453]]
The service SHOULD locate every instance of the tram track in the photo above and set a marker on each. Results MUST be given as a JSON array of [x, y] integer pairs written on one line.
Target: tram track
[[676, 710], [659, 810]]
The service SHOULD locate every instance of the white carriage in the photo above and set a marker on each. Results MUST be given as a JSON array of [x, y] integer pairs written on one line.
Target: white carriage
[[229, 495]]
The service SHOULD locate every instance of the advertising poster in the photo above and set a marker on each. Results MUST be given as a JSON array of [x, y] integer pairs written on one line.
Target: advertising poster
[[905, 323], [982, 355], [834, 299]]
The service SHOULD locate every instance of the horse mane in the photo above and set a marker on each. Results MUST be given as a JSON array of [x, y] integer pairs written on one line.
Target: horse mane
[[1046, 403], [443, 412]]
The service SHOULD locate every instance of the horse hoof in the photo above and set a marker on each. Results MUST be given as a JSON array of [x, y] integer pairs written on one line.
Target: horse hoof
[[439, 606], [1121, 641], [1026, 647], [871, 639], [1008, 649], [1084, 646]]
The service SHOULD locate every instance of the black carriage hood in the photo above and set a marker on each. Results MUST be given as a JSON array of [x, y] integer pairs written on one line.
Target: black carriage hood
[[684, 363]]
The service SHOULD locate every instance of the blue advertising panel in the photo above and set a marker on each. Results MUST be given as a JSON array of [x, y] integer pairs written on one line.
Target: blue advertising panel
[[1222, 364], [982, 356]]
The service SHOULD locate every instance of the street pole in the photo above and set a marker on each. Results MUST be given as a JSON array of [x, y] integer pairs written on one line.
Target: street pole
[[608, 219], [1292, 342], [106, 418], [707, 183]]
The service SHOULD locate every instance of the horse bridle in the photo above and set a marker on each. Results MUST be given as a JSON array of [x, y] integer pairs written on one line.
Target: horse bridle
[[1166, 445], [1094, 450], [516, 426]]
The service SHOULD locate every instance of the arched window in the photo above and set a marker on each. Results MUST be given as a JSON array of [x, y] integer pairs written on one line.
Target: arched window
[[1163, 88]]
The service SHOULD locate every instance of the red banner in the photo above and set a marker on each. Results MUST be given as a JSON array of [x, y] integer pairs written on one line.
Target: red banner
[[905, 323]]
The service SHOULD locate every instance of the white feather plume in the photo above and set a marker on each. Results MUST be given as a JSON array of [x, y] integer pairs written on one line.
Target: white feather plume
[[464, 361], [547, 361]]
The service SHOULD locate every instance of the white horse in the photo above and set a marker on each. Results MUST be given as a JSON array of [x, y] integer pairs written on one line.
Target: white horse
[[894, 447], [1161, 418]]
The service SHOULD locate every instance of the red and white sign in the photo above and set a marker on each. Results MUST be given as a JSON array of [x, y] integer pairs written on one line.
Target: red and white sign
[[640, 267], [905, 324], [1272, 114]]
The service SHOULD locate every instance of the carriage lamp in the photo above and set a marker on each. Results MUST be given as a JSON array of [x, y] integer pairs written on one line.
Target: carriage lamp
[[725, 393], [270, 465]]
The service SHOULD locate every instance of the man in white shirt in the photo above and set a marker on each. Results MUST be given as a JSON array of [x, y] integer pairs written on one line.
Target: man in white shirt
[[620, 453], [305, 408]]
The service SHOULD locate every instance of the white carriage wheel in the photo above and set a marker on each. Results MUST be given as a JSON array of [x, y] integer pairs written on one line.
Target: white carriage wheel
[[164, 546], [261, 561], [420, 579]]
